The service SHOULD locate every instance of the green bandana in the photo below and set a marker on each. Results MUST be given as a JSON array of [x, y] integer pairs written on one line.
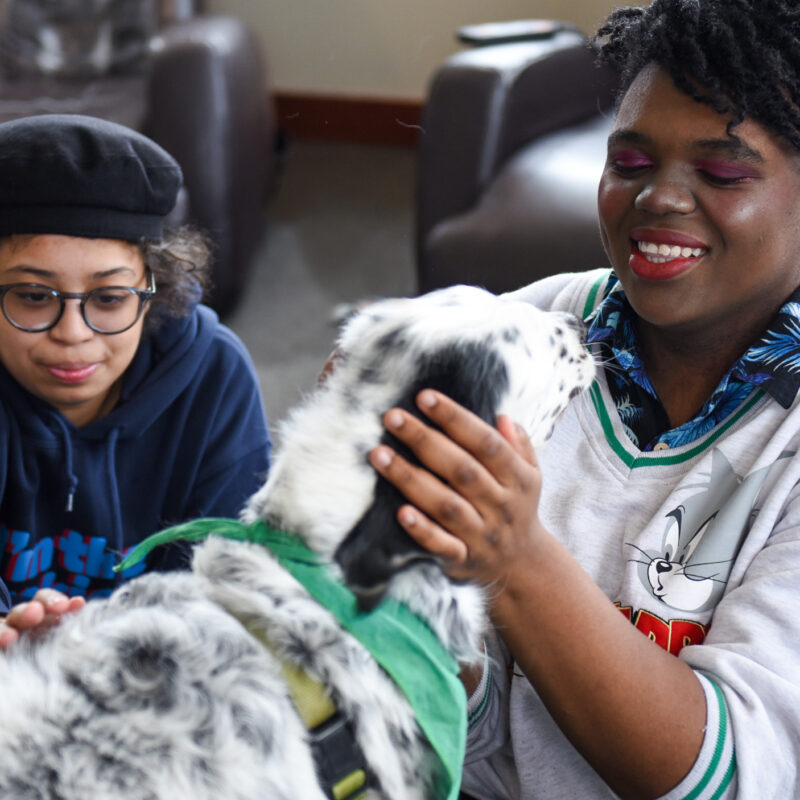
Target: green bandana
[[399, 641]]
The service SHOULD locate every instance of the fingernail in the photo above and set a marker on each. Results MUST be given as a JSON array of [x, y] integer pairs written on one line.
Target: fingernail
[[381, 458], [427, 399], [394, 419], [407, 517], [51, 600]]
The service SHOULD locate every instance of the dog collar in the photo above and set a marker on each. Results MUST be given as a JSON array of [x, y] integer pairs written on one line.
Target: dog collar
[[398, 640]]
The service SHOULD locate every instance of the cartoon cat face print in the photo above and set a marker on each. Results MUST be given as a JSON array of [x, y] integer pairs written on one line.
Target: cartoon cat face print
[[702, 536], [671, 574]]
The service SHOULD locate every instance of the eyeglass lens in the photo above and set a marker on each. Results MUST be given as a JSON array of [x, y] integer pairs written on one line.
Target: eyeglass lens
[[107, 310]]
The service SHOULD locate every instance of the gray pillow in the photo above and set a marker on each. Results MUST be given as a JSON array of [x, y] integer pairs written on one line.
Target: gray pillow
[[75, 39]]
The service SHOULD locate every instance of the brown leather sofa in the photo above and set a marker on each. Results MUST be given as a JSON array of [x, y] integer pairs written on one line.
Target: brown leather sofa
[[199, 88], [513, 144]]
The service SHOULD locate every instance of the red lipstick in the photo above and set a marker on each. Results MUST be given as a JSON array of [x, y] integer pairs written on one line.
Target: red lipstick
[[655, 266]]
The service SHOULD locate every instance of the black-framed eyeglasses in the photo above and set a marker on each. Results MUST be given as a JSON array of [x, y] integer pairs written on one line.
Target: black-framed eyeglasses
[[34, 308]]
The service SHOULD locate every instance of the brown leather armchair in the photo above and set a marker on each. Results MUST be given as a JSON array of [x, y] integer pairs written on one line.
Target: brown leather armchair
[[198, 87], [513, 144]]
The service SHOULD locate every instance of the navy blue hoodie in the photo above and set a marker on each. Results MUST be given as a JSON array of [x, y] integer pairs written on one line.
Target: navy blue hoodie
[[5, 599], [187, 439]]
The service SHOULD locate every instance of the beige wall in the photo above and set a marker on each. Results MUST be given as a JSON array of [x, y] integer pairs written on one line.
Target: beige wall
[[379, 48]]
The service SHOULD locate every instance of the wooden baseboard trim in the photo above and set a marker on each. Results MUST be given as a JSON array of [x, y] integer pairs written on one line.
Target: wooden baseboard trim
[[349, 119]]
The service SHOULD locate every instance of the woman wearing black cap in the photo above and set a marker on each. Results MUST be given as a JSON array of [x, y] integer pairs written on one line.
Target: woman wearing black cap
[[124, 405]]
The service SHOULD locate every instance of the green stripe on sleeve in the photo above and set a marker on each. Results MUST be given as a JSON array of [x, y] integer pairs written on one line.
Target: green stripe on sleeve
[[719, 747], [474, 717]]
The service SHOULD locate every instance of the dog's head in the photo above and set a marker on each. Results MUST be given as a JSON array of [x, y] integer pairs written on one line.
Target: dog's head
[[491, 354]]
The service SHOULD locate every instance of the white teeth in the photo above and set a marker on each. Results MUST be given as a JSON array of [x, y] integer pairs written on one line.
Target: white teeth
[[660, 253]]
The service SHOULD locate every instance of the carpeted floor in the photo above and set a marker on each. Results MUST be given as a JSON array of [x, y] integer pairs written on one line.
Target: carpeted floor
[[340, 229]]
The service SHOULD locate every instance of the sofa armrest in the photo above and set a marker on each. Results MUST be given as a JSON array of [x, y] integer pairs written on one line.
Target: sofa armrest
[[210, 107], [483, 104]]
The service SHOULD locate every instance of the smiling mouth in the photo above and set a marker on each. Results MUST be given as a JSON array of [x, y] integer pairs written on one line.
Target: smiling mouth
[[662, 253], [69, 373]]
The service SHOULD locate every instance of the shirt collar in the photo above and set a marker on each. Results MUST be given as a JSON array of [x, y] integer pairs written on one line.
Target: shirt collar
[[772, 362]]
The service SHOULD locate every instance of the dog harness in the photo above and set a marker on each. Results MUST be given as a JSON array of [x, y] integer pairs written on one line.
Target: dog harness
[[403, 644]]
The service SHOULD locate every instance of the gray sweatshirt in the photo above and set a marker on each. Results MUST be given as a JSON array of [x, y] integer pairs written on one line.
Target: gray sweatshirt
[[699, 547]]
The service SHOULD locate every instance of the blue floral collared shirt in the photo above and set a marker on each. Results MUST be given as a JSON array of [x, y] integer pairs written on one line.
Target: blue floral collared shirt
[[772, 363]]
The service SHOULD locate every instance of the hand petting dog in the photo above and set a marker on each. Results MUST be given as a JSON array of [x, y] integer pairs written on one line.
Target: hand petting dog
[[39, 614], [479, 515]]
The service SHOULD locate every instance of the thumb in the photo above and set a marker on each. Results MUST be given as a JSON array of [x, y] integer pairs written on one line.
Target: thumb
[[515, 435]]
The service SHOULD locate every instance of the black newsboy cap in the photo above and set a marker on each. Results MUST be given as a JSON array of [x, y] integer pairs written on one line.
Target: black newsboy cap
[[82, 176]]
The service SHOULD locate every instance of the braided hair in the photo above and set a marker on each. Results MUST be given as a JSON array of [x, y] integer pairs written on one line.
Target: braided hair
[[741, 57]]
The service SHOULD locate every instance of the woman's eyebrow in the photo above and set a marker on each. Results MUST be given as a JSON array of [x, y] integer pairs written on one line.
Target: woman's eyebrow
[[627, 136], [40, 272], [731, 147], [37, 271], [105, 273]]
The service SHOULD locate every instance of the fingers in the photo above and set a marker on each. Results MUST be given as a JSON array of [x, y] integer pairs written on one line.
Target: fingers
[[7, 636], [432, 537], [436, 511], [476, 459], [425, 491], [44, 610], [515, 435], [488, 445], [440, 454], [474, 500], [26, 615], [55, 605], [75, 604]]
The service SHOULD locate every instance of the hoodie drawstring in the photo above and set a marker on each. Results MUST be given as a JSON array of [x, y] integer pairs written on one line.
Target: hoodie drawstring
[[115, 499], [72, 479]]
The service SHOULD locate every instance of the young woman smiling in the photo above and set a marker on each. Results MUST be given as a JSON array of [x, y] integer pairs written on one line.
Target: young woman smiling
[[124, 404], [667, 502]]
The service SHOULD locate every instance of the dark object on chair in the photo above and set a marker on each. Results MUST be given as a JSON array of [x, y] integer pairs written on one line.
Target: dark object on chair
[[513, 147], [520, 30], [195, 84]]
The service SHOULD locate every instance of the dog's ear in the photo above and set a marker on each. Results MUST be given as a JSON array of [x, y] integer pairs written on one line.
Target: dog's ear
[[377, 547]]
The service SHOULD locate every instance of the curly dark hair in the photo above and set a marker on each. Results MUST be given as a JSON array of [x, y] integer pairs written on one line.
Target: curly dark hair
[[742, 57], [181, 264]]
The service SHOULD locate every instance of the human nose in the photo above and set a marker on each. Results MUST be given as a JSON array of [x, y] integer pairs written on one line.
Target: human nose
[[71, 326], [665, 195]]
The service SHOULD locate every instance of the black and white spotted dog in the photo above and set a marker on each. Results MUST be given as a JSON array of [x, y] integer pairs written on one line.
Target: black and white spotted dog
[[163, 692]]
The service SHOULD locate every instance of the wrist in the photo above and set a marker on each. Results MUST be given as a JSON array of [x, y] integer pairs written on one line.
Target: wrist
[[528, 570]]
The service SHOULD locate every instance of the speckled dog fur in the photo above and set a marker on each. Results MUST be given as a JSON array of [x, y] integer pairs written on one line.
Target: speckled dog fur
[[162, 692]]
